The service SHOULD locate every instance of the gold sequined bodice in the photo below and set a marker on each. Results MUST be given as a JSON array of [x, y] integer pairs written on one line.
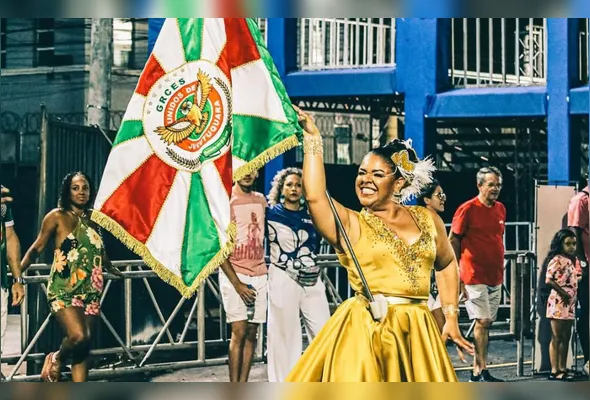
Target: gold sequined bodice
[[391, 266]]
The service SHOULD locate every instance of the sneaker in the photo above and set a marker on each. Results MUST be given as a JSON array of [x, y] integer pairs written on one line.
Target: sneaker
[[487, 377], [585, 369]]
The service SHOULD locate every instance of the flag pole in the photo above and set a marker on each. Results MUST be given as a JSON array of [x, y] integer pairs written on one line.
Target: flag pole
[[366, 289]]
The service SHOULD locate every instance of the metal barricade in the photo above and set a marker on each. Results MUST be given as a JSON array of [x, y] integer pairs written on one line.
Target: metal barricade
[[521, 271], [139, 358]]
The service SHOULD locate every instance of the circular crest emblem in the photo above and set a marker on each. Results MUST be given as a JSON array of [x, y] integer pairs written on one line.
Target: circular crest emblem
[[186, 115]]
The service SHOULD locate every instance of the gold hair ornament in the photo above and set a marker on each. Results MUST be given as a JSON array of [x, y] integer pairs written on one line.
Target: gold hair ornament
[[417, 174], [401, 159]]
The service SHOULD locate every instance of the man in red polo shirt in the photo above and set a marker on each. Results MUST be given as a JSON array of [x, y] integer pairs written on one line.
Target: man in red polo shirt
[[477, 237]]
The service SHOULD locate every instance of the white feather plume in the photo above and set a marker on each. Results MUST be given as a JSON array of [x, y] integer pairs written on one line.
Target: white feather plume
[[419, 178]]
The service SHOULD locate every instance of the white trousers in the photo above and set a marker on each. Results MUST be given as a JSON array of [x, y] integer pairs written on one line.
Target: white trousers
[[287, 302]]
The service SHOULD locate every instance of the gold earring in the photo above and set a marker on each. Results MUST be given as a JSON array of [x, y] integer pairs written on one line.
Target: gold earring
[[396, 197]]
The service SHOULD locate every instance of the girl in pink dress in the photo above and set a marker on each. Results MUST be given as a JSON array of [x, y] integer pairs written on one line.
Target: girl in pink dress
[[563, 273]]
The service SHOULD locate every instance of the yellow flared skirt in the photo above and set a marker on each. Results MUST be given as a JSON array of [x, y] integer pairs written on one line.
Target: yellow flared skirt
[[405, 347]]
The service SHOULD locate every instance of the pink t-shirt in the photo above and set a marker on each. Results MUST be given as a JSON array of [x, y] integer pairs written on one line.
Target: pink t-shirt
[[577, 216], [248, 212]]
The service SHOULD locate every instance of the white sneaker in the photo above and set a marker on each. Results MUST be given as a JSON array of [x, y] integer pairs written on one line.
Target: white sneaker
[[586, 368]]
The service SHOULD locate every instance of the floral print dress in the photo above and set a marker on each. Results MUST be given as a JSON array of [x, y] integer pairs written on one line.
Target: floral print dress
[[565, 274], [76, 278]]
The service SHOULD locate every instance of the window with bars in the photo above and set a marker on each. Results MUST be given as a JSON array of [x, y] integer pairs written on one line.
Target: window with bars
[[498, 51], [327, 43], [45, 42]]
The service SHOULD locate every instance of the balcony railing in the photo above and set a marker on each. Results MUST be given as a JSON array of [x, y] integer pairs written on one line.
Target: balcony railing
[[331, 43], [498, 51]]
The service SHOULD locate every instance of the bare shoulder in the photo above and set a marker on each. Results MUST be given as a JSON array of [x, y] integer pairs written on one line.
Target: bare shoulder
[[53, 220], [55, 215]]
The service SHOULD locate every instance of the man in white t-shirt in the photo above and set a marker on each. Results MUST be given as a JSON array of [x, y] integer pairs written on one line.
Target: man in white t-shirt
[[243, 278]]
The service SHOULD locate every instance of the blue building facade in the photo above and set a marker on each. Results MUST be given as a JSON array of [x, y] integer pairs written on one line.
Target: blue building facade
[[522, 81]]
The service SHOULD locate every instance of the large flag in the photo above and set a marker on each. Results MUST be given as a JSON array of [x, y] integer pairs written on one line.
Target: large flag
[[208, 109]]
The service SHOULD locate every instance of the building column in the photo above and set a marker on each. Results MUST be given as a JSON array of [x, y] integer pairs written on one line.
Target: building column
[[563, 145], [423, 60]]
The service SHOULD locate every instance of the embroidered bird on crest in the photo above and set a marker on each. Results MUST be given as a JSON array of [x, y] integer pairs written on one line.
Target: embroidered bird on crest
[[195, 119]]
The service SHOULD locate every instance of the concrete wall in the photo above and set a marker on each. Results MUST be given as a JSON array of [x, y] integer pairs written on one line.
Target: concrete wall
[[62, 87], [20, 37], [63, 91]]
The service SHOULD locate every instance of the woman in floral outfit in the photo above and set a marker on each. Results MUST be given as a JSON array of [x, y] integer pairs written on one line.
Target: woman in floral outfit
[[76, 278]]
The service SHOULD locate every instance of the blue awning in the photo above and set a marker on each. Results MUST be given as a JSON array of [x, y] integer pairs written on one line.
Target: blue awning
[[504, 102], [342, 82]]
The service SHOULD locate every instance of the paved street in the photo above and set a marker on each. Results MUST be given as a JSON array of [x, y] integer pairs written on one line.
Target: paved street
[[502, 352]]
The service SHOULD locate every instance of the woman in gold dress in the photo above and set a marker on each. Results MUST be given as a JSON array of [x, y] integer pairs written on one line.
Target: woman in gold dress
[[397, 247]]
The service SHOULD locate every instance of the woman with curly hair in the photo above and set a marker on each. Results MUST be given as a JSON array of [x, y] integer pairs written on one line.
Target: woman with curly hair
[[295, 287], [76, 279]]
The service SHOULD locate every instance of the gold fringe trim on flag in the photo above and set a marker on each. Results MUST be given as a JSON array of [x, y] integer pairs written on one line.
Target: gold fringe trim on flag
[[165, 274], [260, 160]]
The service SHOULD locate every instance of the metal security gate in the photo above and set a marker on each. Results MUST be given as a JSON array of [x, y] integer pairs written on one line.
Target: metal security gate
[[66, 148]]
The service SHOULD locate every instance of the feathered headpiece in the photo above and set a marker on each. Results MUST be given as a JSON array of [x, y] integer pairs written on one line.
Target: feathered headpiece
[[418, 174]]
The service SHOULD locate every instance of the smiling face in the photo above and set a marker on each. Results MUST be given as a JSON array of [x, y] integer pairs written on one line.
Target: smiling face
[[375, 182]]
